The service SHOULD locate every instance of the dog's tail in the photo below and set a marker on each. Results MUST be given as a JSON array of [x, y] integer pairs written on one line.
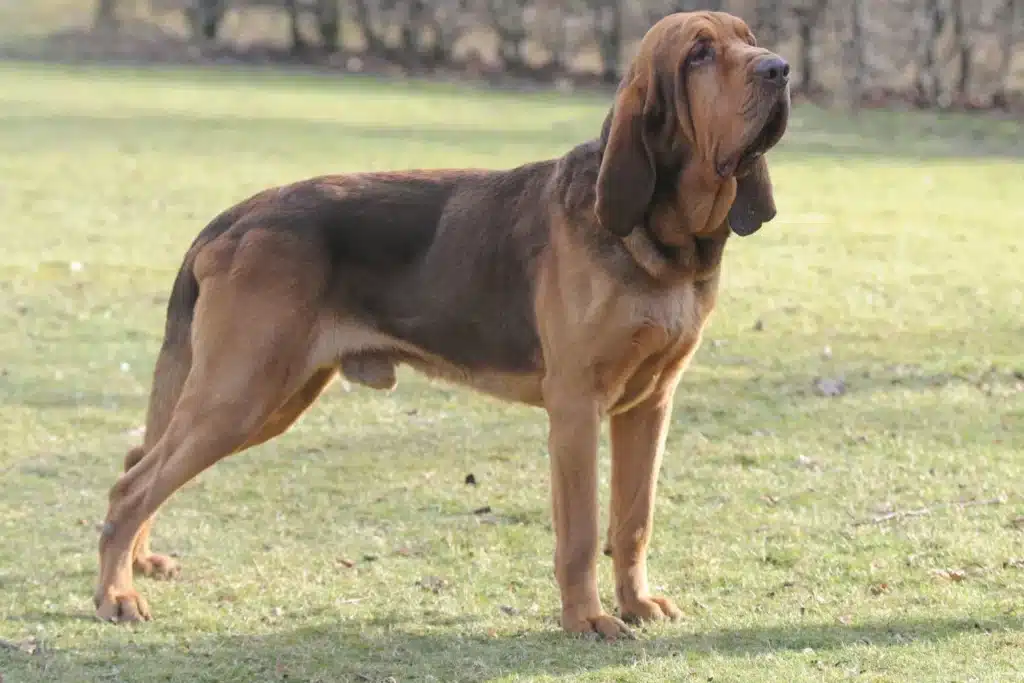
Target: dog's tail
[[173, 362], [175, 358]]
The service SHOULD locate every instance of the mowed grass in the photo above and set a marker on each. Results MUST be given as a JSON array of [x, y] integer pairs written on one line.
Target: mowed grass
[[351, 549]]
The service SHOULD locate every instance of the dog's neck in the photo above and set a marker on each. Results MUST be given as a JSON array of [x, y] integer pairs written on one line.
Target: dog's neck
[[675, 242], [684, 231], [697, 257]]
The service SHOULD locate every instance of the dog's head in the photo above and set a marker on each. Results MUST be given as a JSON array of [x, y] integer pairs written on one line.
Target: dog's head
[[692, 119]]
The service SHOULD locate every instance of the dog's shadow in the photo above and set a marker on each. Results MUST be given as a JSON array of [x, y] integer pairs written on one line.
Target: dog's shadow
[[386, 649]]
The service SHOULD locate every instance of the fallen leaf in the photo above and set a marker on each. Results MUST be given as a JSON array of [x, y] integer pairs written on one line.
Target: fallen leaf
[[879, 588], [345, 562]]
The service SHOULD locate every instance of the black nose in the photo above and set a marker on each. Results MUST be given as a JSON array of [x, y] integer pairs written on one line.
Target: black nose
[[773, 69]]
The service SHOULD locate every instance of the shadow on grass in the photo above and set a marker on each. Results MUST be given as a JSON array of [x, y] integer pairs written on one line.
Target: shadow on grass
[[386, 649]]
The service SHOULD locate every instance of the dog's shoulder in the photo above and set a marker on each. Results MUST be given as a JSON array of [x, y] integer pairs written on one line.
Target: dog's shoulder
[[373, 220], [574, 180]]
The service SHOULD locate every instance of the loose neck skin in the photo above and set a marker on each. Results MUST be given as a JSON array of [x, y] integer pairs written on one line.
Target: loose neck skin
[[685, 230], [683, 234]]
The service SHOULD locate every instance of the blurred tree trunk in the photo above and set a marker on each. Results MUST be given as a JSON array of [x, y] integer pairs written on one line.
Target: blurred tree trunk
[[1010, 13], [204, 17], [550, 28], [414, 17], [853, 51], [929, 80], [328, 18], [408, 40], [808, 13], [105, 16], [767, 22], [373, 42], [608, 27], [506, 19], [292, 8], [445, 20], [964, 52]]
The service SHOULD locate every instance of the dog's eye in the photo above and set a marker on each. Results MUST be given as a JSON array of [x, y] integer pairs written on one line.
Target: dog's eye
[[702, 53]]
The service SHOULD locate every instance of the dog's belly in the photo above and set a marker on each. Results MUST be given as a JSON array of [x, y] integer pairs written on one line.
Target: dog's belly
[[370, 357]]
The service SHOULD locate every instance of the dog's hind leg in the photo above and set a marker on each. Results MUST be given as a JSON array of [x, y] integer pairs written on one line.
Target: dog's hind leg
[[249, 357], [172, 367]]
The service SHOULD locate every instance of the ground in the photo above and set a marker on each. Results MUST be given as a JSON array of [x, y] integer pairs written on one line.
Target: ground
[[841, 497]]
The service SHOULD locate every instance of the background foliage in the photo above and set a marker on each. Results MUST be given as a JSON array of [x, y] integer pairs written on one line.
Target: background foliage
[[926, 53]]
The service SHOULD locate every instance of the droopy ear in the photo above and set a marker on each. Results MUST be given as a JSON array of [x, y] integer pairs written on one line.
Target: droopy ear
[[755, 203], [625, 182]]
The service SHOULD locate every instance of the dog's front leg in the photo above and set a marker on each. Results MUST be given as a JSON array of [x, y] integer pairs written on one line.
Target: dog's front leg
[[572, 443], [638, 442]]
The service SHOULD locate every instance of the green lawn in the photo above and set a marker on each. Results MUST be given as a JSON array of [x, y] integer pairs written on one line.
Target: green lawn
[[895, 265]]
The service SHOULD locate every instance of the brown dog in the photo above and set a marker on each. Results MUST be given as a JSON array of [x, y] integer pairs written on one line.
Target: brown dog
[[580, 285]]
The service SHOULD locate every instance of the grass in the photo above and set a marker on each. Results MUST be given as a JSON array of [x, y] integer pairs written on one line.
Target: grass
[[897, 248]]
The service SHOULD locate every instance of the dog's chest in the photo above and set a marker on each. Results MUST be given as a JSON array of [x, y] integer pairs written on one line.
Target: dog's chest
[[661, 334]]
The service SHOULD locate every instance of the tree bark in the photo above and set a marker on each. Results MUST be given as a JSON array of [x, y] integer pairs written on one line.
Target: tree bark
[[1009, 14], [854, 53], [928, 78], [964, 52], [106, 14], [808, 15], [328, 23]]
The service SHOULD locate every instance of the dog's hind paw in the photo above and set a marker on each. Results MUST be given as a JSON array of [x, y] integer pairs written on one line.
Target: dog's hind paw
[[602, 625], [157, 567], [650, 609]]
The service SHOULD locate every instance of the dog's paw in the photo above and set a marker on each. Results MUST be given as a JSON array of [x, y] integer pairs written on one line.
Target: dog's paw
[[157, 567], [601, 625], [648, 609], [124, 607]]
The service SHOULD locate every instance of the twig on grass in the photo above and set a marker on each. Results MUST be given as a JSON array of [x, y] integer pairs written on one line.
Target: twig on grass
[[897, 515]]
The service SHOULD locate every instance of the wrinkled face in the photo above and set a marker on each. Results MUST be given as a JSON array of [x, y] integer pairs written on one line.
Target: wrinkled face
[[692, 119], [732, 97]]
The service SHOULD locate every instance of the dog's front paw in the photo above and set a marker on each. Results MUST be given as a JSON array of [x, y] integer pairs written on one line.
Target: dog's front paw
[[645, 609], [127, 606]]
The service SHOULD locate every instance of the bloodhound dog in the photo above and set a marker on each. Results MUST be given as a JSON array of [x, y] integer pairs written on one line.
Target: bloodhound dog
[[580, 285]]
